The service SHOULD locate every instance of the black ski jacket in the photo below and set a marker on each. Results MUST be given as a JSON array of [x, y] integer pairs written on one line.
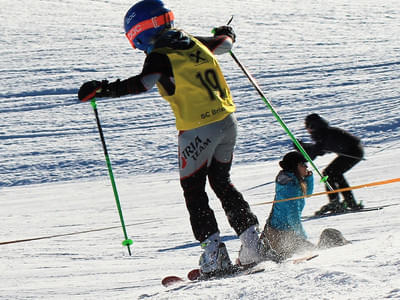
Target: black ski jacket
[[333, 139]]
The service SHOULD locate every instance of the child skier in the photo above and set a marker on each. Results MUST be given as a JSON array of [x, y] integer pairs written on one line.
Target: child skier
[[189, 77], [349, 150]]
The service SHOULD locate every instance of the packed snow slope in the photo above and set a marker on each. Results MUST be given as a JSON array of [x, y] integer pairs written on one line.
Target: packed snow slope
[[340, 59], [80, 256]]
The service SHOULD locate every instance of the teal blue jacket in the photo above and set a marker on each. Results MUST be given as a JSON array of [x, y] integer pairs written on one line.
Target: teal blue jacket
[[287, 215]]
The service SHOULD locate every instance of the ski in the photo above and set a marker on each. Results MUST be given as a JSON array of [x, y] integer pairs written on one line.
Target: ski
[[365, 209], [303, 259], [194, 275], [171, 280]]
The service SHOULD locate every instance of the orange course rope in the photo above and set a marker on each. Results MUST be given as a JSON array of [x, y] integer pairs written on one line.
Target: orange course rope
[[67, 234], [335, 191]]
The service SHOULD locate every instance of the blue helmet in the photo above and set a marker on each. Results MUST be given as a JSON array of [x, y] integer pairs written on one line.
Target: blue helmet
[[145, 20]]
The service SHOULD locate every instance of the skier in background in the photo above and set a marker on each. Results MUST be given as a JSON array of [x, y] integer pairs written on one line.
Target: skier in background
[[189, 77], [349, 150]]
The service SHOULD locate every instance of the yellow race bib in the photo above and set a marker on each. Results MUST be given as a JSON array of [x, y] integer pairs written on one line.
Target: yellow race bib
[[202, 95]]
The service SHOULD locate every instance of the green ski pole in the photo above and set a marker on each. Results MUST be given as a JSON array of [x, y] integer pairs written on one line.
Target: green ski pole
[[281, 122], [127, 242], [264, 98]]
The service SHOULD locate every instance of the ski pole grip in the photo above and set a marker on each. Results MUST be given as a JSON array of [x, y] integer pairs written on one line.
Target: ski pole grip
[[93, 102]]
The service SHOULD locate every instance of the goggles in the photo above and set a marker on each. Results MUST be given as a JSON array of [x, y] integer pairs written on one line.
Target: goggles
[[148, 24]]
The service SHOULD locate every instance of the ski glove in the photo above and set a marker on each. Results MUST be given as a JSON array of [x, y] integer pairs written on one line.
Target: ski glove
[[100, 89], [225, 30], [91, 89]]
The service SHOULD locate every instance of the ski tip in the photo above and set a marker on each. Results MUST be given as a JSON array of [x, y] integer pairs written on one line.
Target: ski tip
[[304, 259], [170, 280], [194, 274]]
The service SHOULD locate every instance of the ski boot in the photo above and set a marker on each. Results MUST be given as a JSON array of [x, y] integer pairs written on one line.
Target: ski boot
[[353, 205], [215, 261], [255, 250], [332, 207]]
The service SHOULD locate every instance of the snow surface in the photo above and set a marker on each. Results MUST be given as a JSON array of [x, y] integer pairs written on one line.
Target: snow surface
[[338, 58]]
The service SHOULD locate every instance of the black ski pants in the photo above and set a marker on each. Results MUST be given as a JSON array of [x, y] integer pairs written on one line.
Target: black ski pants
[[202, 217], [336, 179]]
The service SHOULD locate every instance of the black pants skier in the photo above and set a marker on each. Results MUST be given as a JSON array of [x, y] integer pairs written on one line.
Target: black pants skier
[[335, 172]]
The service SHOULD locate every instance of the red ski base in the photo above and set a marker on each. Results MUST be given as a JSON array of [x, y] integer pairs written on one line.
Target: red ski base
[[171, 280], [194, 274]]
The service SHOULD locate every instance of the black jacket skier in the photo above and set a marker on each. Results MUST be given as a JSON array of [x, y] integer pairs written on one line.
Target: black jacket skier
[[349, 150]]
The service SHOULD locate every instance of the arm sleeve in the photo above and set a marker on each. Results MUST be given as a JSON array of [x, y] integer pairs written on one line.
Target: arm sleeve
[[218, 45], [132, 85], [310, 184], [155, 67], [313, 150]]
